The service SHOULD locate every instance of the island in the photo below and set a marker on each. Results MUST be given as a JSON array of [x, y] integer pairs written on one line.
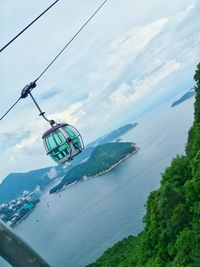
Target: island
[[185, 97], [113, 135], [102, 160]]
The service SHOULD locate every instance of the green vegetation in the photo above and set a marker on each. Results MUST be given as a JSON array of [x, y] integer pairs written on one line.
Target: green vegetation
[[120, 255], [171, 237], [101, 159]]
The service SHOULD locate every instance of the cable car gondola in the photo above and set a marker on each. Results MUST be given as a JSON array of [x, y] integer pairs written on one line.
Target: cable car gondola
[[62, 142]]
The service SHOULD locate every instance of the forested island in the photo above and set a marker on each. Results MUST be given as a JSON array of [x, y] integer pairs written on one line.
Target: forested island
[[171, 237], [103, 159]]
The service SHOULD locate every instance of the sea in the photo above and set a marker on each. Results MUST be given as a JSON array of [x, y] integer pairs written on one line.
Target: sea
[[73, 228]]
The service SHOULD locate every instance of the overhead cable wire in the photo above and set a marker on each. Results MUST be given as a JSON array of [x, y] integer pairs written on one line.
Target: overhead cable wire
[[28, 26], [28, 88], [10, 108], [70, 41]]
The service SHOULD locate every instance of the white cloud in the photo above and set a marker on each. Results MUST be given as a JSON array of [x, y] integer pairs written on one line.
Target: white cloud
[[145, 85], [124, 50], [121, 96], [52, 173], [190, 7], [127, 94], [70, 115], [19, 148]]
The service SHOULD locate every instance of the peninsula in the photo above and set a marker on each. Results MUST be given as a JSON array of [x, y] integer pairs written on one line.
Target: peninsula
[[103, 159]]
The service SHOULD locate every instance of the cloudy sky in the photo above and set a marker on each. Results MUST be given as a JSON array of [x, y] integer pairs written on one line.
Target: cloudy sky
[[132, 57]]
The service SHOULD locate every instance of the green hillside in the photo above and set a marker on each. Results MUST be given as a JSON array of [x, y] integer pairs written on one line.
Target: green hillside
[[101, 159], [171, 237], [15, 183]]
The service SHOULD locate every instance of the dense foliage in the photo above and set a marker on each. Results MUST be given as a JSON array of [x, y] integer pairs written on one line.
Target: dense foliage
[[171, 237], [101, 159], [119, 255]]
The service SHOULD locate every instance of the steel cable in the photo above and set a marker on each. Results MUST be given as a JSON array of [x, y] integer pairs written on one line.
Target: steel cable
[[28, 26]]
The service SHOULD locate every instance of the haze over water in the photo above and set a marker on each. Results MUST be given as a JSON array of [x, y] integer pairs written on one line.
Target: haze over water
[[91, 216]]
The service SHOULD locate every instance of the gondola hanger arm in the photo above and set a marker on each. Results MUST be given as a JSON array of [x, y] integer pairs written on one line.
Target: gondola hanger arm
[[26, 91]]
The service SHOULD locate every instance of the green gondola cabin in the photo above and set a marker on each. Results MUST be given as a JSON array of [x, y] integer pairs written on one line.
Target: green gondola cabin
[[62, 142]]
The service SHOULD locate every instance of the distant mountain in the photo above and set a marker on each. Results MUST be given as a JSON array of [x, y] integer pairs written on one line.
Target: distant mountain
[[102, 159], [15, 183], [183, 98], [112, 136]]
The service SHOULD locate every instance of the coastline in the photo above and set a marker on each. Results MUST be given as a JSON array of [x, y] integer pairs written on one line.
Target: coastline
[[25, 216], [99, 174], [116, 164]]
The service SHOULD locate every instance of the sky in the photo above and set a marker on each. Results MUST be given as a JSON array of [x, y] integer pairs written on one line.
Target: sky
[[132, 57]]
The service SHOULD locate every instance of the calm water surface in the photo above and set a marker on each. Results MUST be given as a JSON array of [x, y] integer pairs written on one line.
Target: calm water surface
[[91, 216]]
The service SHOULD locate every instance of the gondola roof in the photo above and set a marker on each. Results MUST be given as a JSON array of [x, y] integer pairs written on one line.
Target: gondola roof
[[57, 126]]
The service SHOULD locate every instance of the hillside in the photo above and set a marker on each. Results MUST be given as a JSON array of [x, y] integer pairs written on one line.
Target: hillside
[[171, 237], [102, 159], [185, 97], [15, 183]]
